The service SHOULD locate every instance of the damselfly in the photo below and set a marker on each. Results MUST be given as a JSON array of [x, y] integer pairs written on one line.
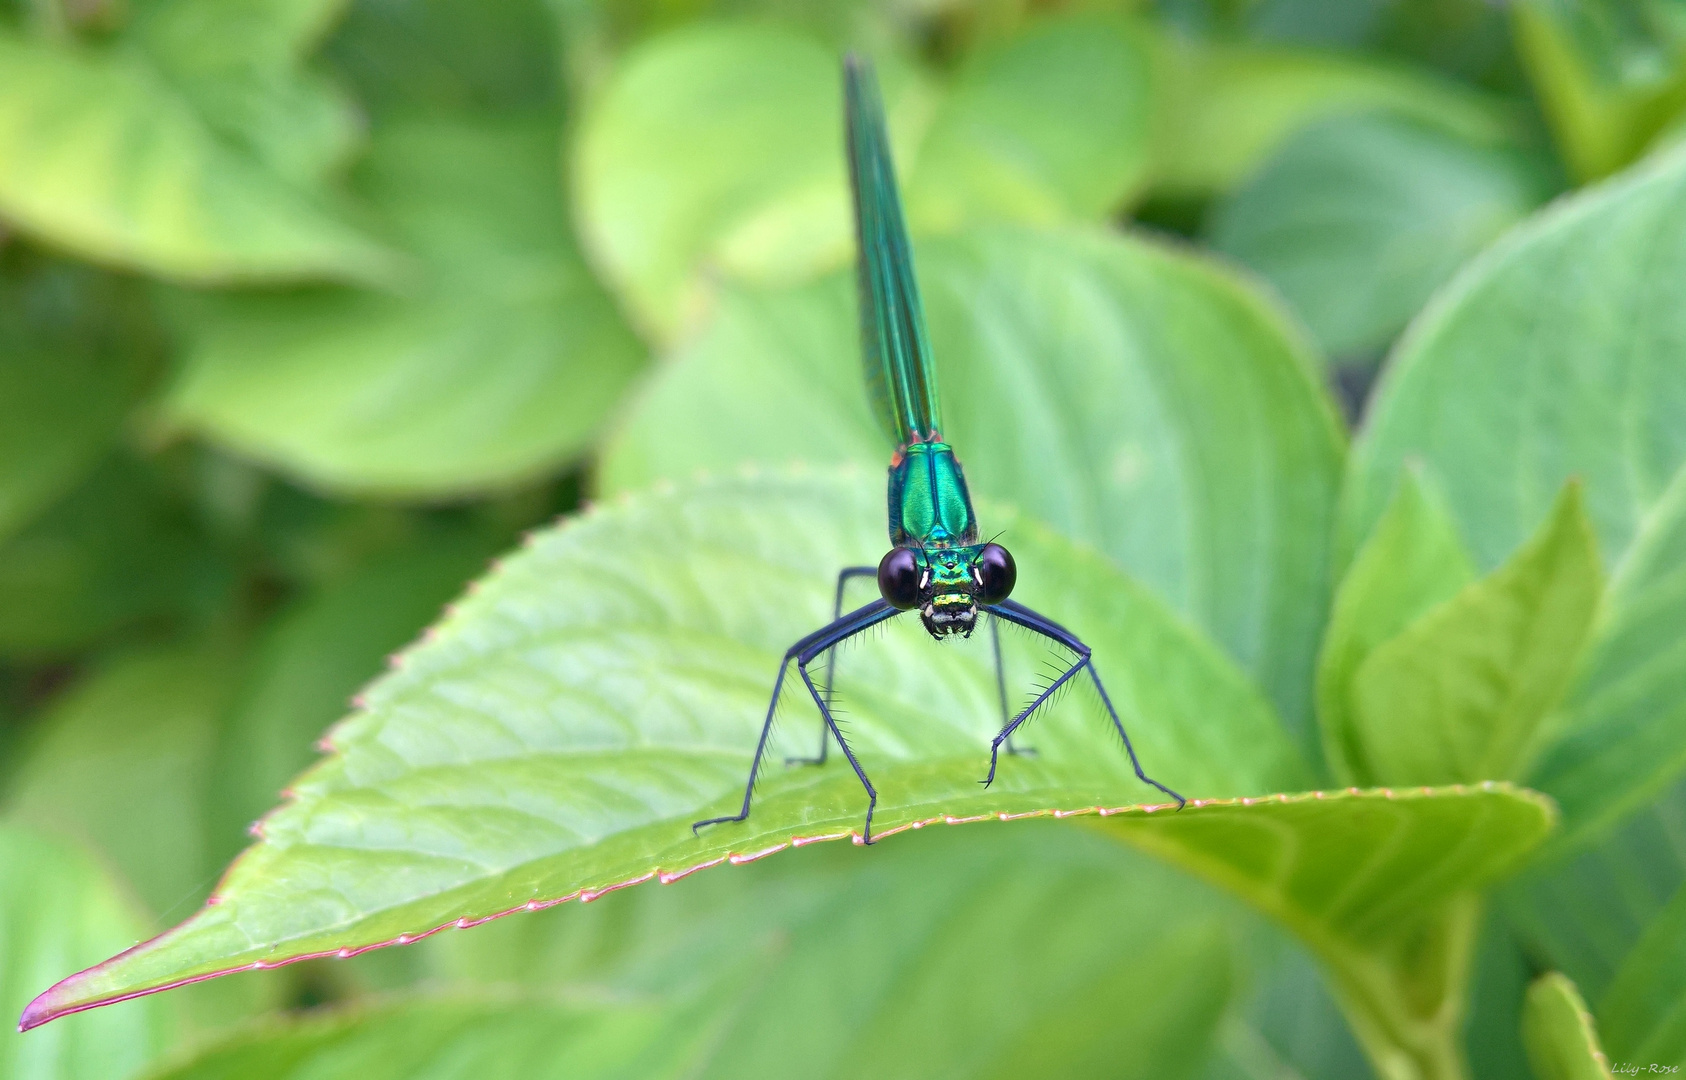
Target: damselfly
[[935, 564]]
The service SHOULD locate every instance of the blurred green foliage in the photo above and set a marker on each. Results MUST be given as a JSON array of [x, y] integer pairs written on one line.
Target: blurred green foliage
[[311, 309]]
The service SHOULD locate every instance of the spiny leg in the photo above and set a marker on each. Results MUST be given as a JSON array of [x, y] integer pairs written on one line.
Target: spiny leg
[[1001, 688], [1030, 620], [871, 792], [843, 577], [804, 651]]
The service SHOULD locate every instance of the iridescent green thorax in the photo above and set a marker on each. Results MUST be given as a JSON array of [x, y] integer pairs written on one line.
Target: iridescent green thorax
[[931, 513]]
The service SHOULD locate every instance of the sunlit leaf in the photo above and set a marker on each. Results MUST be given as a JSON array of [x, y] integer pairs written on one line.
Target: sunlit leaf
[[1134, 397], [103, 153], [719, 149], [58, 908], [494, 365], [1562, 1043], [1358, 219]]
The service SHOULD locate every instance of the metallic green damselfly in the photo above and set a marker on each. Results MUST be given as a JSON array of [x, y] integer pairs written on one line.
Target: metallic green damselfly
[[935, 564]]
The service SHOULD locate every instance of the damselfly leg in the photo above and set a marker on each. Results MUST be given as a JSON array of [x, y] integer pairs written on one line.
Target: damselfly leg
[[1048, 628]]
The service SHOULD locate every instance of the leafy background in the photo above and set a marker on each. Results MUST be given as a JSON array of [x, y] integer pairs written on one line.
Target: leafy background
[[1321, 358]]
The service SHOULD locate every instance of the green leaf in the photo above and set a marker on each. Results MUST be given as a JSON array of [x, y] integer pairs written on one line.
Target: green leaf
[[559, 732], [495, 365], [563, 728], [934, 956], [1626, 714], [1606, 93], [123, 762], [1356, 220], [1551, 356], [311, 661], [1562, 1043], [1583, 908], [1643, 1014], [1006, 144], [718, 149], [1225, 108], [1413, 561], [76, 347], [118, 553], [56, 909], [1135, 397], [485, 1037], [1463, 692], [121, 154]]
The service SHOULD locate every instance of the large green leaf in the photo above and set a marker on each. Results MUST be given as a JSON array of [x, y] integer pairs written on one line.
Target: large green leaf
[[1358, 219], [1413, 561], [496, 363], [123, 762], [75, 349], [1463, 692], [557, 734], [190, 146], [56, 909], [313, 659], [719, 149], [1551, 357], [1643, 1014], [1135, 397], [1225, 108], [936, 956], [1562, 1043]]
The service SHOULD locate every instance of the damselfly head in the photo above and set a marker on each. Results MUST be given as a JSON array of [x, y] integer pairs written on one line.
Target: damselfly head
[[946, 584]]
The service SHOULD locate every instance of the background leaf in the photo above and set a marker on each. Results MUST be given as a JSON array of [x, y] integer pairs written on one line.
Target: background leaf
[[1463, 692], [1577, 306], [1561, 1040], [123, 763], [57, 909], [497, 364], [1225, 108], [1135, 398], [102, 155], [1644, 1010], [1413, 561], [938, 959], [1357, 219]]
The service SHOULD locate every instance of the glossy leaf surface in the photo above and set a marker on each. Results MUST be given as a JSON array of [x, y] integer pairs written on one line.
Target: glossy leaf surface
[[1136, 398]]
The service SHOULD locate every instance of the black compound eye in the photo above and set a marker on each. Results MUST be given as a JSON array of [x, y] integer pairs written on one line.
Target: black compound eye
[[898, 578], [994, 572]]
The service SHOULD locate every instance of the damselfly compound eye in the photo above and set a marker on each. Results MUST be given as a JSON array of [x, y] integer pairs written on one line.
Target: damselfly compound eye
[[898, 578], [994, 572]]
